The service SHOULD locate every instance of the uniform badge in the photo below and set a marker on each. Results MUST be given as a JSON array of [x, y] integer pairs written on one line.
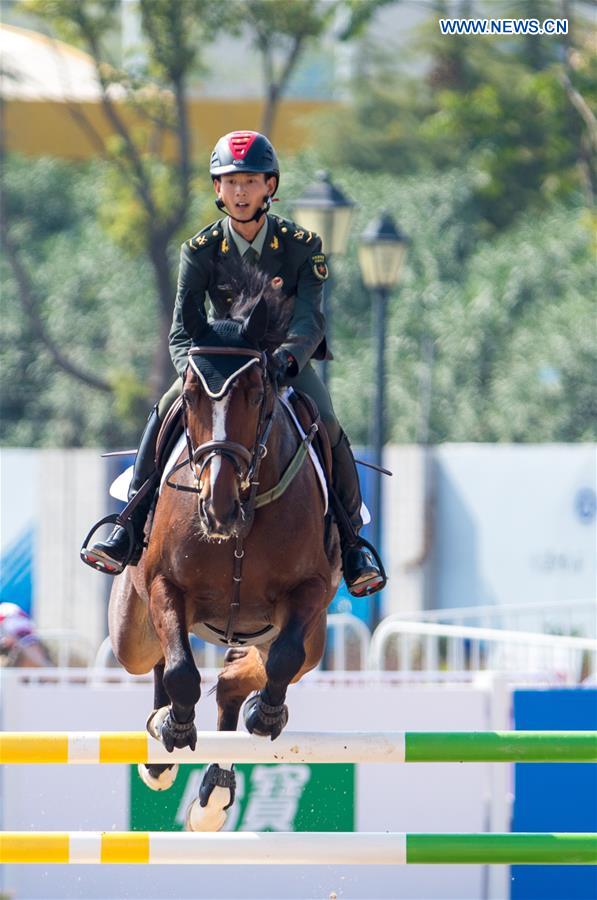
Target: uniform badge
[[299, 235], [275, 243], [277, 283], [201, 240], [225, 246], [320, 269]]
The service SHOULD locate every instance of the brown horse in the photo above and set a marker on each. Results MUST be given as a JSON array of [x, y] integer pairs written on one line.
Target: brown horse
[[227, 560]]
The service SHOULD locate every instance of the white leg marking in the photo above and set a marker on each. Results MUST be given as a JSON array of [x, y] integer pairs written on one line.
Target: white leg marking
[[220, 408]]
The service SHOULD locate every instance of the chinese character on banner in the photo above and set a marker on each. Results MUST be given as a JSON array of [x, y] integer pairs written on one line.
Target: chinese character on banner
[[274, 798]]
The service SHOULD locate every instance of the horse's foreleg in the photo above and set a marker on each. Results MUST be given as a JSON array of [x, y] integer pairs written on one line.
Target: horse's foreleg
[[181, 679], [158, 777], [266, 713], [243, 673]]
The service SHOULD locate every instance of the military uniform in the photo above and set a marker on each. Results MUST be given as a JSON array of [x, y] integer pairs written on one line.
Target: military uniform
[[293, 257]]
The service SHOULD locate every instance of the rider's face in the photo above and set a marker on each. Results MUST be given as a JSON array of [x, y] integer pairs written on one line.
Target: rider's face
[[242, 193]]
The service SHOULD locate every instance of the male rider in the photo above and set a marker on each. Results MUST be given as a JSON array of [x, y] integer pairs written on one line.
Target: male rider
[[245, 174]]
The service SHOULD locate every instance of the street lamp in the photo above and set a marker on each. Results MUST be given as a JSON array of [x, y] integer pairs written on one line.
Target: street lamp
[[324, 209], [382, 249]]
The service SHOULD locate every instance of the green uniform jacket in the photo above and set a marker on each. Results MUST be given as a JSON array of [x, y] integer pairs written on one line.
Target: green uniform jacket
[[289, 252]]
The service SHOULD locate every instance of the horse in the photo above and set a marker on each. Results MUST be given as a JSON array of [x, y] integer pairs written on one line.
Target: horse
[[231, 557]]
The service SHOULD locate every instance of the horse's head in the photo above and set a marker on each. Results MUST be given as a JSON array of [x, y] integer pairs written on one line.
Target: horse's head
[[228, 400]]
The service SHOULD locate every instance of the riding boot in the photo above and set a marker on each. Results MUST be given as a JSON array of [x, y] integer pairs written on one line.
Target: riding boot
[[362, 574], [117, 551]]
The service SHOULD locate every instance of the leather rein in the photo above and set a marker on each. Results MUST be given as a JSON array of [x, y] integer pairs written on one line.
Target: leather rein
[[246, 464]]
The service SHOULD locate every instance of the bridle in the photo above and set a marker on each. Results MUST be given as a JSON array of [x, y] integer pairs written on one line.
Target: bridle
[[246, 463]]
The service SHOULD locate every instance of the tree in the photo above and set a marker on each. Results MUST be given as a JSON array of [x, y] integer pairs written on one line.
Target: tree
[[150, 195], [89, 302], [516, 111], [280, 31]]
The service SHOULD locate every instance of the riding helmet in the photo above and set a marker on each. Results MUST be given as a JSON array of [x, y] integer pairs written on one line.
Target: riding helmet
[[244, 151]]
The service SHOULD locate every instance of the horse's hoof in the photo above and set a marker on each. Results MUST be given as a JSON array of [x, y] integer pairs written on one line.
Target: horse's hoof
[[177, 734], [155, 720], [264, 720], [208, 818], [158, 777]]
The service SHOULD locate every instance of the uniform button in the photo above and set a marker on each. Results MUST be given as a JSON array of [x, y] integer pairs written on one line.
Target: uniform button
[[228, 299], [284, 229], [215, 233]]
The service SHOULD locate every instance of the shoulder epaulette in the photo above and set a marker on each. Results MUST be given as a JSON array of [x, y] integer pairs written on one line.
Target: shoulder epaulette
[[206, 236], [295, 231]]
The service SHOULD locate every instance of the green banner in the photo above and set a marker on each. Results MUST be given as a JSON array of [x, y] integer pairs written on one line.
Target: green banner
[[268, 798]]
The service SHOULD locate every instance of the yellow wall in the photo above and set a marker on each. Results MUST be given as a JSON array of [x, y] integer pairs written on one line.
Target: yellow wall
[[42, 128]]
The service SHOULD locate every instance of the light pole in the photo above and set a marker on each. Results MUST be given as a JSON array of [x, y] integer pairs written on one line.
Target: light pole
[[382, 249], [324, 209]]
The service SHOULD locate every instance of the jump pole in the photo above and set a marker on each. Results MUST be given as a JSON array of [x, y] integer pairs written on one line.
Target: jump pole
[[74, 748], [335, 848]]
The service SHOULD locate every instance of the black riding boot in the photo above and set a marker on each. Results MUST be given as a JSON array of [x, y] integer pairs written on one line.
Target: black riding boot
[[112, 555], [362, 574]]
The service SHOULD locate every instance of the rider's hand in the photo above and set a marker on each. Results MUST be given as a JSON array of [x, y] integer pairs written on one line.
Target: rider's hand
[[283, 364]]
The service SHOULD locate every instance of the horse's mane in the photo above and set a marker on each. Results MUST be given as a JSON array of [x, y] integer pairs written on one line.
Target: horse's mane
[[248, 285]]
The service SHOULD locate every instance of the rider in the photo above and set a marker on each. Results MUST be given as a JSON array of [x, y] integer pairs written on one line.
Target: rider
[[245, 174]]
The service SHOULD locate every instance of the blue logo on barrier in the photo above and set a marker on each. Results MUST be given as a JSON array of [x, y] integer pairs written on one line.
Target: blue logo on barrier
[[585, 504]]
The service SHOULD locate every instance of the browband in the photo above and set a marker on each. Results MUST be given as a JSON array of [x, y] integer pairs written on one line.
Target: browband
[[224, 351]]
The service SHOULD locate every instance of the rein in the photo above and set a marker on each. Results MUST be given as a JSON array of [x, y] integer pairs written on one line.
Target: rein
[[246, 464]]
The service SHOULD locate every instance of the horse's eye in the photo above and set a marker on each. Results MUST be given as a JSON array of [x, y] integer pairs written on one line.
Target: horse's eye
[[256, 398]]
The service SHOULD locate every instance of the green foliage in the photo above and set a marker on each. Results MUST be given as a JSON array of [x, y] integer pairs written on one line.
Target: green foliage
[[499, 106], [93, 301], [497, 331]]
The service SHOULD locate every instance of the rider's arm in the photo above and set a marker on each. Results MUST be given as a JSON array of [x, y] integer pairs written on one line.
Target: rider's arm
[[189, 308], [307, 326]]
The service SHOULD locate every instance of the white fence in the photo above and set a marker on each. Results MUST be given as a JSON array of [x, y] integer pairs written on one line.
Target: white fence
[[576, 618], [405, 646]]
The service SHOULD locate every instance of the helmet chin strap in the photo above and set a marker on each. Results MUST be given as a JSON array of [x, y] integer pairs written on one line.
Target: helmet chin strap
[[267, 202]]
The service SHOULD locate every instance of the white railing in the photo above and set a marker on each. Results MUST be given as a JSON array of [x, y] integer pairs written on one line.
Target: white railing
[[66, 647], [571, 617], [429, 646]]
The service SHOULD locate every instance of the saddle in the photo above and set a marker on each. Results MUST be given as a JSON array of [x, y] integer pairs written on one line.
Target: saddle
[[169, 434]]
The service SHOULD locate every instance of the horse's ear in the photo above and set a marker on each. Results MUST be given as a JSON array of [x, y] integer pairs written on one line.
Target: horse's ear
[[255, 326], [193, 320]]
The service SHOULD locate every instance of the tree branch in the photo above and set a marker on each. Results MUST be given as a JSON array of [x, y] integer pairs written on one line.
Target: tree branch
[[28, 302]]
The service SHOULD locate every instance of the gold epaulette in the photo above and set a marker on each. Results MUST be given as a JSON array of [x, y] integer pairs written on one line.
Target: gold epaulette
[[206, 236], [295, 231]]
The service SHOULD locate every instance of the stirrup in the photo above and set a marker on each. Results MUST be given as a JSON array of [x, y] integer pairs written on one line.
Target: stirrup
[[98, 561], [374, 583]]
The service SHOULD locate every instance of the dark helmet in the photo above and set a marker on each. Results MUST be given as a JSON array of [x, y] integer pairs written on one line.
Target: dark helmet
[[244, 151]]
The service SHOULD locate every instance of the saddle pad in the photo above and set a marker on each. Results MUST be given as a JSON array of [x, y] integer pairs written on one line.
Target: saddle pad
[[312, 454], [284, 397], [119, 489]]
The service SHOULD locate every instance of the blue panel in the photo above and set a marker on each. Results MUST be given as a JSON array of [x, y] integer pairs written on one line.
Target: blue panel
[[555, 796], [16, 567]]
